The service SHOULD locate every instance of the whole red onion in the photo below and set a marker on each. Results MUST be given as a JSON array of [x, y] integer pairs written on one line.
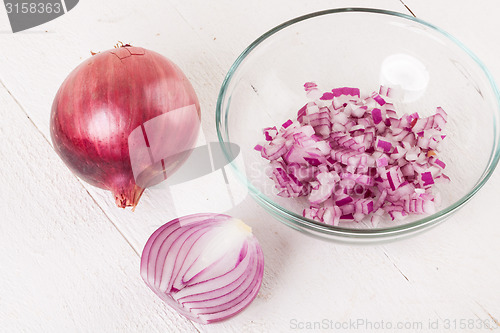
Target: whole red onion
[[125, 119]]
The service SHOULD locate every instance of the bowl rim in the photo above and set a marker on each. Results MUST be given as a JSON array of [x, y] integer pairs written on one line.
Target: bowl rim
[[343, 232]]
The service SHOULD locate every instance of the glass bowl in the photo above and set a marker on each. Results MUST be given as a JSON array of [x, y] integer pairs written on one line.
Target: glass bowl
[[363, 48]]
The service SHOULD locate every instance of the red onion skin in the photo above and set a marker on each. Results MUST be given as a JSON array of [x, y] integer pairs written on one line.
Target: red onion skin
[[103, 100]]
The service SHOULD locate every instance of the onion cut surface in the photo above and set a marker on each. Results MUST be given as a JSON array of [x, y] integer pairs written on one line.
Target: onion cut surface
[[208, 267], [355, 159]]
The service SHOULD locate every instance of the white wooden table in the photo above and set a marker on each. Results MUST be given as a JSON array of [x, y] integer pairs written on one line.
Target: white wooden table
[[69, 258]]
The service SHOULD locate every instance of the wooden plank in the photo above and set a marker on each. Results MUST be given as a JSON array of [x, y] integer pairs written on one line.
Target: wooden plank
[[305, 280], [64, 265], [465, 248], [230, 26], [477, 27]]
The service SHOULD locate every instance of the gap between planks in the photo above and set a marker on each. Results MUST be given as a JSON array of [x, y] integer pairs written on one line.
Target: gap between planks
[[495, 320], [399, 270], [408, 8]]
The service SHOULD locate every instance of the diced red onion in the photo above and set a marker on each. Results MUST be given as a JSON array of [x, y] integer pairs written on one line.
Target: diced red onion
[[383, 145], [376, 115], [427, 178], [355, 158], [378, 98], [310, 85]]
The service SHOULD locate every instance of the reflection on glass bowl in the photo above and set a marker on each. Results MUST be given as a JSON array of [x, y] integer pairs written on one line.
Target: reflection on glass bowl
[[406, 73]]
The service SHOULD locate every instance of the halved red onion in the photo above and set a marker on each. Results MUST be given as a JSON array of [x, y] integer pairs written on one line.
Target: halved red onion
[[354, 158], [208, 267]]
